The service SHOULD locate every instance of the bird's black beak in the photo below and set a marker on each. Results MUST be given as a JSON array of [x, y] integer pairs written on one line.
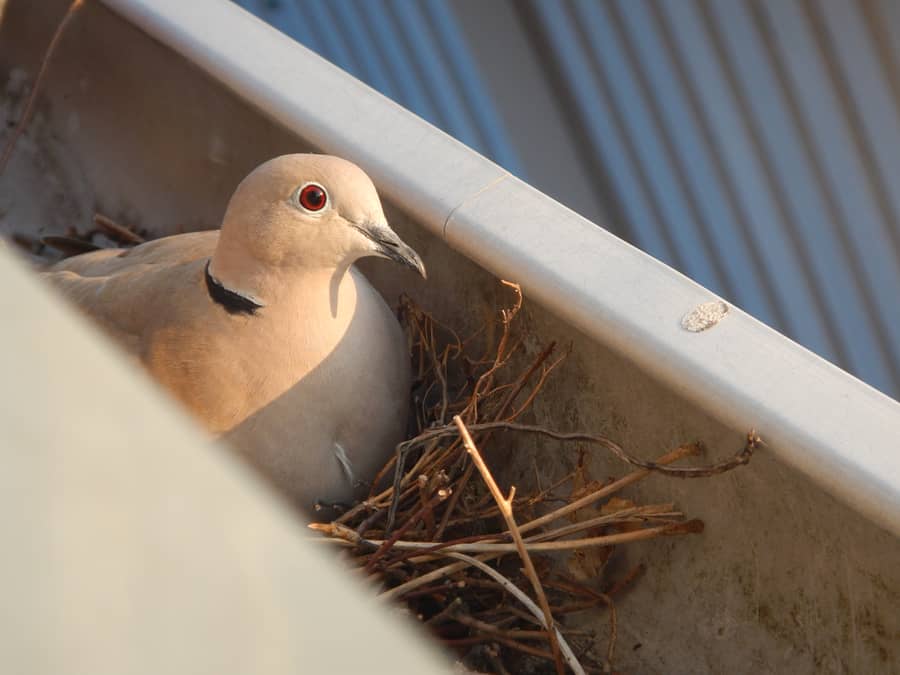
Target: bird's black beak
[[389, 245]]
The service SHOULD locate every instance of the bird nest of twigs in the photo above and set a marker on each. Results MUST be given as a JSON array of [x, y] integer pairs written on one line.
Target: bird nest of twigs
[[473, 564]]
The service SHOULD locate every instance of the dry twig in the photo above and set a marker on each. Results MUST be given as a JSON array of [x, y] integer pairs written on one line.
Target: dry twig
[[118, 232], [513, 590], [38, 81], [505, 506]]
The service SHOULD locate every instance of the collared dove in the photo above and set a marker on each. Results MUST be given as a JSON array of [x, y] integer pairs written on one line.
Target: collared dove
[[264, 330]]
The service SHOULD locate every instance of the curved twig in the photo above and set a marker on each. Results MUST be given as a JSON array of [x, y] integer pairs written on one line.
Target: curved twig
[[514, 590], [32, 96], [505, 506], [740, 458], [426, 547]]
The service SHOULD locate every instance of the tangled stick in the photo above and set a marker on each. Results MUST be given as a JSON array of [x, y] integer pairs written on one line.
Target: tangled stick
[[402, 535], [505, 506], [741, 457]]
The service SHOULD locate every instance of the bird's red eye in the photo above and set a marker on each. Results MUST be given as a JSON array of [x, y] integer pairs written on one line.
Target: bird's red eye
[[312, 197]]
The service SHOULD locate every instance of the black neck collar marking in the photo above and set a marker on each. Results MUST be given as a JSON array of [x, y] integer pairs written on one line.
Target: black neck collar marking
[[233, 303]]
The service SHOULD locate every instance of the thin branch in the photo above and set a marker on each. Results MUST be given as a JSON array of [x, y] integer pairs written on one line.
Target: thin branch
[[453, 568], [608, 601], [507, 401], [413, 519], [118, 232], [740, 458], [484, 626], [636, 514], [38, 81], [612, 488], [505, 506], [518, 646], [514, 590], [427, 547]]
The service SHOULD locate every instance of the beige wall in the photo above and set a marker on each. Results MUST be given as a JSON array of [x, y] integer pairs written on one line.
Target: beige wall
[[133, 545]]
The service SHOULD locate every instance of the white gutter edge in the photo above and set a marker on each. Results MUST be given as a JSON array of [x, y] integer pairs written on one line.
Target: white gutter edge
[[834, 428]]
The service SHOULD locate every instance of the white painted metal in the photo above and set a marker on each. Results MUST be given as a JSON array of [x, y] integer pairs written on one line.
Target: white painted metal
[[836, 429]]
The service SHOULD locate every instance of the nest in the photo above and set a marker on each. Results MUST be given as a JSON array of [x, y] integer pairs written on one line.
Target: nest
[[474, 565]]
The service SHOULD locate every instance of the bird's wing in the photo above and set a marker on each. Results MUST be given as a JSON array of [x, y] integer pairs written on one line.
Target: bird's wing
[[106, 262], [125, 290]]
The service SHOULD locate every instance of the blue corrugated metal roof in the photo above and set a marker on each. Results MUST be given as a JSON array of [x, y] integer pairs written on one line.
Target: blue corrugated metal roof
[[754, 145], [708, 115], [410, 50]]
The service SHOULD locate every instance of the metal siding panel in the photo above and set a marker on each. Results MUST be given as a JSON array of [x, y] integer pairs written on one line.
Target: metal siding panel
[[884, 32], [435, 77], [867, 245], [694, 151], [604, 48], [803, 304], [412, 52], [607, 136], [804, 208], [467, 79], [884, 18], [313, 16], [873, 110], [738, 157], [361, 44], [412, 92], [287, 17]]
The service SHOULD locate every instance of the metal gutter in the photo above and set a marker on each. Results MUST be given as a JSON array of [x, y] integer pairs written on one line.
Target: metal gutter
[[834, 428]]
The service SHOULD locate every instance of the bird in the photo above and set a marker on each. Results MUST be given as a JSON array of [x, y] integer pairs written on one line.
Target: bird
[[265, 330]]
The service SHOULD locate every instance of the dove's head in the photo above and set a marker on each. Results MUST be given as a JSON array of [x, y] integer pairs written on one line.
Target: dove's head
[[309, 210]]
